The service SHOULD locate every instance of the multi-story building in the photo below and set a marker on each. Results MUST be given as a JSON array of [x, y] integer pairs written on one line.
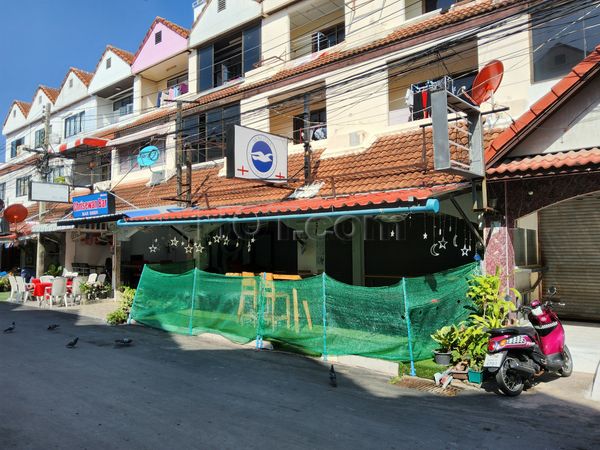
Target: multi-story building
[[359, 73]]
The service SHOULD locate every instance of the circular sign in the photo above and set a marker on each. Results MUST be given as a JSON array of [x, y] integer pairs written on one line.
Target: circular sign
[[15, 213], [148, 156], [261, 156]]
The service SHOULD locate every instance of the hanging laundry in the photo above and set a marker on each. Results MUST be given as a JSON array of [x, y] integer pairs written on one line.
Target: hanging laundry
[[184, 88]]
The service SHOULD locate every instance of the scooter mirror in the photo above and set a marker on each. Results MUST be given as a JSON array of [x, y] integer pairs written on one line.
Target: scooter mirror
[[552, 290]]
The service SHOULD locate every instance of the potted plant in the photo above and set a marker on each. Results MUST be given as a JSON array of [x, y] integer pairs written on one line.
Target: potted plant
[[446, 338], [87, 291]]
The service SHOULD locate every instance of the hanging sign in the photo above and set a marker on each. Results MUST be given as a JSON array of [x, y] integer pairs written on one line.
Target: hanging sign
[[49, 192], [255, 155], [93, 205]]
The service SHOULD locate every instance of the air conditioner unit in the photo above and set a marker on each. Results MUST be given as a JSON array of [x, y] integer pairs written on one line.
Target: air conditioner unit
[[156, 178]]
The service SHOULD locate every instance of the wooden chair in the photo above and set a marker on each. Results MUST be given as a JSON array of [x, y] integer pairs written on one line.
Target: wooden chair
[[249, 289]]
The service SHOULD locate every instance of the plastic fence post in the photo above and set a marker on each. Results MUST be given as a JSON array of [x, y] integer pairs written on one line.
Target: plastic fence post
[[324, 318], [135, 295], [407, 314], [191, 325], [261, 310]]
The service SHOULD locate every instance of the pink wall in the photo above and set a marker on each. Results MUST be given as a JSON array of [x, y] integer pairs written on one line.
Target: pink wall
[[172, 44]]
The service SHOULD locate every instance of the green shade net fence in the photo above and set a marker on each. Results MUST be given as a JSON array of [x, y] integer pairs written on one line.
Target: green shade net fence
[[317, 314]]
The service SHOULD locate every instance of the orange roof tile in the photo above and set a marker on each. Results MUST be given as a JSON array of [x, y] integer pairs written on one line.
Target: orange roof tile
[[123, 54], [23, 106], [528, 122], [547, 163], [50, 92]]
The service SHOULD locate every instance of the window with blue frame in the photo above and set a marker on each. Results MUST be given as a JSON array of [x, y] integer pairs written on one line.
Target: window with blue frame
[[229, 58], [124, 106], [14, 147]]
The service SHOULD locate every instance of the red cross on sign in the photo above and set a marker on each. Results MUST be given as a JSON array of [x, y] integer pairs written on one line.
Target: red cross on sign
[[243, 170], [281, 177]]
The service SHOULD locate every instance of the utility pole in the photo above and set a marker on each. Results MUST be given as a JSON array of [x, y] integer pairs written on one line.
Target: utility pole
[[179, 154], [44, 170], [307, 149]]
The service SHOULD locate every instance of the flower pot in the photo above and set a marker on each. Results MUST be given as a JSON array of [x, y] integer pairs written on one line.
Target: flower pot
[[475, 376], [442, 358]]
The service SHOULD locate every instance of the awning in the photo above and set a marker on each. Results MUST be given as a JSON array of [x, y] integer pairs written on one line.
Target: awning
[[94, 219], [83, 144], [408, 200], [154, 131], [50, 227]]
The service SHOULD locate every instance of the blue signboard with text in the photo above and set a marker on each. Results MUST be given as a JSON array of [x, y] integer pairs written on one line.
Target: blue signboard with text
[[93, 205]]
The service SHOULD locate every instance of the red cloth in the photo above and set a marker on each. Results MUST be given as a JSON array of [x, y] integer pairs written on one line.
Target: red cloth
[[39, 288]]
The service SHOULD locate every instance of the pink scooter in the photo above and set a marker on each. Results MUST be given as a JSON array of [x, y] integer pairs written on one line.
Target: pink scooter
[[516, 355]]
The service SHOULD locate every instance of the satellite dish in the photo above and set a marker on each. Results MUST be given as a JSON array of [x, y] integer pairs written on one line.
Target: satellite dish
[[15, 213], [487, 81], [148, 156]]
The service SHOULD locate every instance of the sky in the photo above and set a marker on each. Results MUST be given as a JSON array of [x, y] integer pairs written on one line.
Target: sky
[[43, 38]]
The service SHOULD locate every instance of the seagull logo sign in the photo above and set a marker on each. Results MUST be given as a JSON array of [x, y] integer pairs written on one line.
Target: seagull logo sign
[[261, 156]]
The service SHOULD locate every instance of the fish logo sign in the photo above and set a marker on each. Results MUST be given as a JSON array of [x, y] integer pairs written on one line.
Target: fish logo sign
[[262, 158]]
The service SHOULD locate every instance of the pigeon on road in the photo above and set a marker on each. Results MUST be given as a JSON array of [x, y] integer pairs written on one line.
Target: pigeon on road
[[73, 343], [332, 377], [53, 327], [10, 329], [123, 342]]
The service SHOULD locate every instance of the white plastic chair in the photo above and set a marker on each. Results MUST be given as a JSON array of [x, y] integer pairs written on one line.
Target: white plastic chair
[[46, 278], [92, 278], [76, 289], [14, 289], [22, 289], [57, 291], [101, 279]]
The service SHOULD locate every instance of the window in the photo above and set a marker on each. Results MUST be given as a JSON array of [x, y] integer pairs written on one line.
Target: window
[[229, 58], [432, 5], [74, 124], [14, 146], [317, 126], [204, 134], [23, 186], [40, 100], [124, 106], [2, 191], [561, 43], [157, 37], [221, 6], [128, 156], [15, 112], [177, 81], [58, 174], [39, 138], [328, 37], [70, 82], [108, 63]]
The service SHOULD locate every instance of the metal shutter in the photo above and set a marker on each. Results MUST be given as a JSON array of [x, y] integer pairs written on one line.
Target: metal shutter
[[570, 248]]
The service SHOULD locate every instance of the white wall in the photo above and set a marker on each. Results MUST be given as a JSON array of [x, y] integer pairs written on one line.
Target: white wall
[[119, 70], [15, 120], [71, 94], [212, 23]]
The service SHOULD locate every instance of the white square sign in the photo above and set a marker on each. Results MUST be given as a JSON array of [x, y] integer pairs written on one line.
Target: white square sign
[[257, 156]]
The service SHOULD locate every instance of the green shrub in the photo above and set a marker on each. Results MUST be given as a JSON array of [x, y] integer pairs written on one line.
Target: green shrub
[[4, 284], [121, 314]]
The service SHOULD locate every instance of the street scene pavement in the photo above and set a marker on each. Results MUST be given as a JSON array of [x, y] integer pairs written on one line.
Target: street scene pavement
[[169, 391]]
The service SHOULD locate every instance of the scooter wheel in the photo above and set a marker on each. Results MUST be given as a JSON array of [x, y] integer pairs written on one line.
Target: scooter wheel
[[509, 381], [567, 368]]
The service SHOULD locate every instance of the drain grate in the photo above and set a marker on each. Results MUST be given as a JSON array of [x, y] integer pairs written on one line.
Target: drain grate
[[427, 386]]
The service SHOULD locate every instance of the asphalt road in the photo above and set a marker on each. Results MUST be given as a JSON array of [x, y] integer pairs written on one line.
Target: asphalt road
[[179, 392]]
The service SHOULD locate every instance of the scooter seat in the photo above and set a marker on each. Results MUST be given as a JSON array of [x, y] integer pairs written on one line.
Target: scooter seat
[[529, 331]]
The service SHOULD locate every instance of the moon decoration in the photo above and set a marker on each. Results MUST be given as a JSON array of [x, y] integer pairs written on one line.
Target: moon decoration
[[432, 250], [454, 240]]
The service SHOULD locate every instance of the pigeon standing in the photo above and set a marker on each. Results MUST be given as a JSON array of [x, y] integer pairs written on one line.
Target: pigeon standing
[[332, 377], [53, 327], [73, 343], [10, 329], [123, 342]]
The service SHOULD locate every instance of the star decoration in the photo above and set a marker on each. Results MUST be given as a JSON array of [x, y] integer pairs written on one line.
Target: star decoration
[[209, 242], [189, 248], [464, 251], [226, 240], [442, 243], [392, 234], [252, 241], [198, 247], [424, 236], [153, 248], [174, 242]]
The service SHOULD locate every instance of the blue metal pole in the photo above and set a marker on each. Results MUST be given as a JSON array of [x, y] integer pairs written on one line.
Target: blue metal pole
[[324, 318], [431, 205], [413, 372]]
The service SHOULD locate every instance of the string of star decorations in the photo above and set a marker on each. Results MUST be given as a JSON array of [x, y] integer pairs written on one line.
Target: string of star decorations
[[193, 248], [443, 227]]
